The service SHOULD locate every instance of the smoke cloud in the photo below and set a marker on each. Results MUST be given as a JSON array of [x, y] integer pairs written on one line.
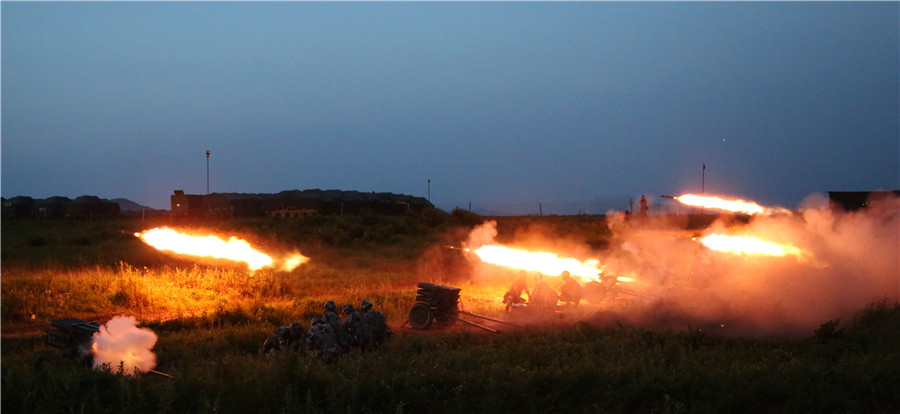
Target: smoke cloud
[[481, 235], [851, 260], [124, 346]]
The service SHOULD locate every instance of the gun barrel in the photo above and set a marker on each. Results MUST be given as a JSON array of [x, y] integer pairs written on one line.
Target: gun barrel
[[672, 197], [160, 373]]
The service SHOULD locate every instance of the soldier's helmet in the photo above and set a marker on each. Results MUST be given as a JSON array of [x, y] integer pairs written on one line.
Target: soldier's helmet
[[348, 309], [317, 320], [365, 305], [297, 327], [330, 306], [565, 275], [282, 332]]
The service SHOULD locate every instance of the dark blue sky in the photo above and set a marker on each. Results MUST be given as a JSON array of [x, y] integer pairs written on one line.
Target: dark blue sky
[[504, 105]]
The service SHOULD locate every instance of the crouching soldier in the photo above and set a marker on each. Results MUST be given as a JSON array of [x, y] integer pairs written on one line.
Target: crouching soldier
[[332, 318], [513, 296], [277, 342], [298, 337], [285, 338], [357, 327], [377, 323], [570, 291], [543, 296], [321, 341]]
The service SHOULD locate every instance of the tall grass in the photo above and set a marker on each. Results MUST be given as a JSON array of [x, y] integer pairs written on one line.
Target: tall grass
[[211, 321], [198, 292], [577, 368]]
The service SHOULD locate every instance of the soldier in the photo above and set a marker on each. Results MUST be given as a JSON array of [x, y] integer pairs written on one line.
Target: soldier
[[278, 341], [332, 318], [514, 294], [570, 291], [609, 282], [377, 323], [297, 337], [543, 296], [357, 327], [285, 338], [322, 341]]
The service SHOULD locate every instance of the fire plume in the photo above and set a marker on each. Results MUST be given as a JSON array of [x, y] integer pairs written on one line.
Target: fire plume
[[235, 249], [543, 262], [737, 206], [749, 245]]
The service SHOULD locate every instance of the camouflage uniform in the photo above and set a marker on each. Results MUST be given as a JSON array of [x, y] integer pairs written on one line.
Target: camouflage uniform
[[277, 341], [332, 318], [285, 338], [357, 327], [321, 341], [543, 296], [570, 291], [298, 336], [514, 294], [377, 323]]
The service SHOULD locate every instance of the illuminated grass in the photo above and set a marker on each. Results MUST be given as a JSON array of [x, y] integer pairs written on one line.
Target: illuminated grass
[[212, 320], [198, 292]]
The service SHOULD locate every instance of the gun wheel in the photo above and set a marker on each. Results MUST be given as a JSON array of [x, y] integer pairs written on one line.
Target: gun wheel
[[420, 316], [46, 359]]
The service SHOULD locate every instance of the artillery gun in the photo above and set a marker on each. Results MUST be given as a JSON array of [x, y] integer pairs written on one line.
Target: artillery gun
[[438, 305], [72, 337]]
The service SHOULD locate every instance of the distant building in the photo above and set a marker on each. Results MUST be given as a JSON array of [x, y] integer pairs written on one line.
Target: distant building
[[86, 207], [187, 204], [292, 203], [49, 208], [17, 207]]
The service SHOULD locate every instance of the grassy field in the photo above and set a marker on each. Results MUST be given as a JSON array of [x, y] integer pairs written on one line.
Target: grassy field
[[212, 317]]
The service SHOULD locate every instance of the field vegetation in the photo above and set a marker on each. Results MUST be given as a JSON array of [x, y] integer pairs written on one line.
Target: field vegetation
[[212, 318]]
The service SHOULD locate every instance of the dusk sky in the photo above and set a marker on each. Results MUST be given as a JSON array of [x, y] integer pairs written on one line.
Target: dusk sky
[[572, 106]]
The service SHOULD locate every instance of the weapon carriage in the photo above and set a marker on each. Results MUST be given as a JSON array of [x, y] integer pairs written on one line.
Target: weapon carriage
[[438, 306], [72, 337]]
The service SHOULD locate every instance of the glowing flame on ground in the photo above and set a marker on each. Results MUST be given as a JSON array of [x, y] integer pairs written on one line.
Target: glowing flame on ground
[[737, 206], [124, 346], [543, 262], [749, 245], [211, 246]]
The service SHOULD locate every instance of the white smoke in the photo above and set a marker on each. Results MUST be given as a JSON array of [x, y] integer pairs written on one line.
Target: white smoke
[[853, 261], [481, 235], [123, 346]]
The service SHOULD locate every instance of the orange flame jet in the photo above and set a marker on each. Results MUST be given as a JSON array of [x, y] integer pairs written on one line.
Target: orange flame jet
[[543, 262], [235, 249], [737, 206], [749, 245]]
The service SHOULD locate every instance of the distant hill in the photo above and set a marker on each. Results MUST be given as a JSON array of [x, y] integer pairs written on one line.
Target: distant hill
[[126, 205]]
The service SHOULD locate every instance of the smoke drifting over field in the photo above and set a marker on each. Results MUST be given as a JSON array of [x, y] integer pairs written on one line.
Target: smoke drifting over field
[[850, 260]]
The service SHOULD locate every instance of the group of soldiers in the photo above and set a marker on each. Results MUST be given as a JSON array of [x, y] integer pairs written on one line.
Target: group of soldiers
[[329, 337], [571, 292]]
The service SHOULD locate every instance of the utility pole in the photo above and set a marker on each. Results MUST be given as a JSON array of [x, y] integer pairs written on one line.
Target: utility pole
[[703, 180], [703, 186], [429, 190], [207, 172]]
